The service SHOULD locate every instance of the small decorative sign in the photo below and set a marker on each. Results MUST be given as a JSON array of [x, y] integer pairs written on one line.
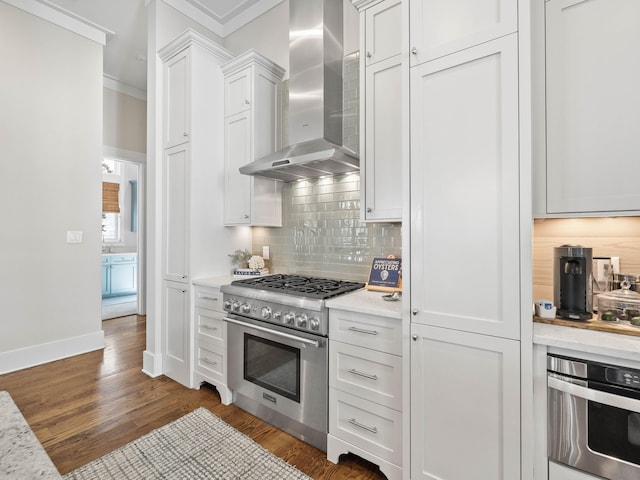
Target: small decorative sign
[[385, 275]]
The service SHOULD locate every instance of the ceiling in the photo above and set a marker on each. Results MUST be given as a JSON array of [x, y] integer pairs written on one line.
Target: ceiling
[[125, 23]]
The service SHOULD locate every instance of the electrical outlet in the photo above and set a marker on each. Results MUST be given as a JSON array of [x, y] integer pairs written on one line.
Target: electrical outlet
[[265, 252], [615, 263]]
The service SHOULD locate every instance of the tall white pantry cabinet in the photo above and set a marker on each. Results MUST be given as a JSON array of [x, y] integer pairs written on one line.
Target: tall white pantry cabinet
[[192, 161], [467, 205]]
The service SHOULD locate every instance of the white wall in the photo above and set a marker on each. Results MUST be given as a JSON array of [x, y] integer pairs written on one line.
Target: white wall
[[125, 121], [51, 150]]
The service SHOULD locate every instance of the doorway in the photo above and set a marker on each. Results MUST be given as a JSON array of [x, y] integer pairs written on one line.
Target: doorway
[[122, 245]]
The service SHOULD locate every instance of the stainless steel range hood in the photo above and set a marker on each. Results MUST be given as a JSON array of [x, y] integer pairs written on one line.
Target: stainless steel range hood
[[315, 98]]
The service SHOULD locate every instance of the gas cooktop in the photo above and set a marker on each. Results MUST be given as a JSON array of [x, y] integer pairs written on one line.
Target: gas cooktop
[[303, 286]]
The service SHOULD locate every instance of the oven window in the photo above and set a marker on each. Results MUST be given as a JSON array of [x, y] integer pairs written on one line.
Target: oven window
[[273, 366], [614, 431]]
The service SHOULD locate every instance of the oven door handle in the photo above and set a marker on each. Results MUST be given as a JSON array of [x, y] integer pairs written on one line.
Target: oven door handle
[[605, 398], [288, 336]]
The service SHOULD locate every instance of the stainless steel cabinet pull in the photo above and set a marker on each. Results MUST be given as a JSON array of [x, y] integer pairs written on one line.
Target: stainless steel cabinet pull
[[209, 362], [206, 297], [414, 50], [368, 54], [415, 311], [362, 374], [353, 421], [414, 337], [246, 102], [185, 134], [359, 330], [209, 327], [246, 216], [369, 210]]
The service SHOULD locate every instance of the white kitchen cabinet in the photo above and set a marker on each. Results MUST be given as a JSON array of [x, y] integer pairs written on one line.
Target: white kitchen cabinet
[[592, 105], [193, 94], [441, 27], [211, 341], [177, 344], [465, 190], [365, 389], [382, 109], [252, 130], [465, 405]]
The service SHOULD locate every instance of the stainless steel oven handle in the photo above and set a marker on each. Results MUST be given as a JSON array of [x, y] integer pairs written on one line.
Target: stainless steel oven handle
[[288, 336], [605, 398]]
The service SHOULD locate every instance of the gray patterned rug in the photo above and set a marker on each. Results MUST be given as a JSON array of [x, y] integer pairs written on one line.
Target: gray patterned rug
[[196, 446]]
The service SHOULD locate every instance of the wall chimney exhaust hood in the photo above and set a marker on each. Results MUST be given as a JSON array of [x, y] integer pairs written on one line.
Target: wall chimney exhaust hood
[[315, 98]]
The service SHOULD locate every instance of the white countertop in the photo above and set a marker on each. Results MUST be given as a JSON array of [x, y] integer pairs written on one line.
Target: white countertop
[[614, 345], [365, 301], [214, 281]]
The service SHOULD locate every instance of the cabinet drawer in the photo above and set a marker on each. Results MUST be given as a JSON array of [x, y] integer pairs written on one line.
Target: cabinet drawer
[[210, 326], [368, 374], [368, 331], [209, 297], [123, 259], [367, 425], [211, 361]]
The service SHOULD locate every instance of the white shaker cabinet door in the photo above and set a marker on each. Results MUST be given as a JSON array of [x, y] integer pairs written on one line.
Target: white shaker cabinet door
[[465, 241], [238, 152], [176, 214], [593, 105], [176, 332], [465, 406], [383, 35], [177, 100], [441, 27]]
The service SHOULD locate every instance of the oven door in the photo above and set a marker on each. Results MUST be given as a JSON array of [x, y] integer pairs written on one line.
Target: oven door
[[594, 430], [279, 375]]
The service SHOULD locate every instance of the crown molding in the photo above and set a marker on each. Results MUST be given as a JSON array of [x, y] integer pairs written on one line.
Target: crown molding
[[249, 15], [113, 83], [196, 15], [63, 18]]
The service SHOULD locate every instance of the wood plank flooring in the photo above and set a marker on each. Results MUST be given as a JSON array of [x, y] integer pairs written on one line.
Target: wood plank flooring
[[83, 407]]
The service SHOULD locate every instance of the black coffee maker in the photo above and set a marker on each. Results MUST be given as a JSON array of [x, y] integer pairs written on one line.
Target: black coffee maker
[[572, 282]]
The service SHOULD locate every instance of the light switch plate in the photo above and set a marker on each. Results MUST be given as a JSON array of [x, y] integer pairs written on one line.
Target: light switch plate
[[265, 252], [74, 237]]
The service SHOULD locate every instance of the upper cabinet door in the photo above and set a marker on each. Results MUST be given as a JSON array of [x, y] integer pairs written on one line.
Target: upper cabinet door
[[177, 127], [465, 239], [237, 93], [383, 37], [593, 106], [441, 27]]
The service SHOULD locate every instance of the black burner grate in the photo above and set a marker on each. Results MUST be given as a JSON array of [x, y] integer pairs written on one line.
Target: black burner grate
[[310, 287]]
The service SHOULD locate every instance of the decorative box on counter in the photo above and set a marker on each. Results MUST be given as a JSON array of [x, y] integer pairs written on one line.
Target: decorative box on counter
[[250, 272]]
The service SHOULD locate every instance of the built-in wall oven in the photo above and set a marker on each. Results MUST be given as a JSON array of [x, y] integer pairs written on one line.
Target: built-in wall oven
[[278, 353], [594, 417]]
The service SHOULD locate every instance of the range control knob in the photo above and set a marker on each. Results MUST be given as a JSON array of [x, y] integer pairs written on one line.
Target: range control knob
[[277, 315], [265, 312], [246, 308], [227, 304], [301, 320], [314, 323], [235, 306], [289, 317]]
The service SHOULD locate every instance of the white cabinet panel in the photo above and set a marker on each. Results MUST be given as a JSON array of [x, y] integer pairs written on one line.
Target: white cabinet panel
[[368, 331], [373, 427], [210, 327], [465, 190], [382, 195], [441, 27], [593, 105], [176, 213], [383, 23], [176, 335], [465, 405], [209, 298], [237, 152], [368, 374], [176, 100]]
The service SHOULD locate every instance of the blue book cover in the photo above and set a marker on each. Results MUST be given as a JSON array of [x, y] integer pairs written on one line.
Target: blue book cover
[[385, 272]]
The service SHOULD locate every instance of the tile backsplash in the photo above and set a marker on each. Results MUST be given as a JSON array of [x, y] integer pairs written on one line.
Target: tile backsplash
[[322, 234], [607, 237]]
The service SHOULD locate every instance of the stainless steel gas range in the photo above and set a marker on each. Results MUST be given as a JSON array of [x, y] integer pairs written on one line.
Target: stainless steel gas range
[[277, 344]]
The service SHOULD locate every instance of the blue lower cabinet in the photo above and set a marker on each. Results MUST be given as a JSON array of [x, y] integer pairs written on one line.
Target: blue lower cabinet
[[119, 275]]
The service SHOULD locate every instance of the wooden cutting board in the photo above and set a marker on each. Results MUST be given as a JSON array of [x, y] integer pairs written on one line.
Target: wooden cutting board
[[624, 328]]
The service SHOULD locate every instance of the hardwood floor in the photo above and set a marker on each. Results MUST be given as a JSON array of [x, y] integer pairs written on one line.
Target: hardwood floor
[[83, 407]]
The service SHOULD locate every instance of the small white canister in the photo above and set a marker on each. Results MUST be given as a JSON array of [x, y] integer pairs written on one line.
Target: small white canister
[[545, 309]]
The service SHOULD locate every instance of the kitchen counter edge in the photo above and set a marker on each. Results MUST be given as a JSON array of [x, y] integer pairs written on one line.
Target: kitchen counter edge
[[612, 345], [367, 302]]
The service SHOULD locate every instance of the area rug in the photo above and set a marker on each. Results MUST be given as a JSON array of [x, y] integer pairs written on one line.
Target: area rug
[[198, 445]]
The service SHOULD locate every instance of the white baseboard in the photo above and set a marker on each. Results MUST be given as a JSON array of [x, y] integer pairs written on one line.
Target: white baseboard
[[151, 364], [50, 352]]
